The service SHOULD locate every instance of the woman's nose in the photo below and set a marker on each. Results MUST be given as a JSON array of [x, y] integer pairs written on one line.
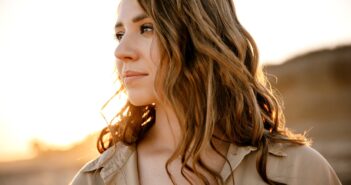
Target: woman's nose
[[126, 50]]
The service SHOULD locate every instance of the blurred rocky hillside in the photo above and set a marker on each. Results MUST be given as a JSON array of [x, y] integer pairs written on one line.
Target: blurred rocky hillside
[[316, 91]]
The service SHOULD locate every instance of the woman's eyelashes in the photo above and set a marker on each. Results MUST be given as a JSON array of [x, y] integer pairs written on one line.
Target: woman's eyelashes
[[119, 35], [147, 28]]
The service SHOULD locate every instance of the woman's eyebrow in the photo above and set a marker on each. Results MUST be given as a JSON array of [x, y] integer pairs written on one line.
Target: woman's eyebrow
[[134, 20]]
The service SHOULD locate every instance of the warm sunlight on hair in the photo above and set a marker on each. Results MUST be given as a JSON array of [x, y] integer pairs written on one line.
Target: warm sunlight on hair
[[55, 68]]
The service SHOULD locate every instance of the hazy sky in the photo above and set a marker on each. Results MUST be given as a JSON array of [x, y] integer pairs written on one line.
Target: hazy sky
[[284, 28], [56, 59]]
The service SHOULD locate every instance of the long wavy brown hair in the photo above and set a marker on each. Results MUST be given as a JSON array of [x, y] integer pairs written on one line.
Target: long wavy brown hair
[[210, 60]]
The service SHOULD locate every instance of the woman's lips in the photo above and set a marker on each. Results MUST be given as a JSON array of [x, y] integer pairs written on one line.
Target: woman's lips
[[130, 76]]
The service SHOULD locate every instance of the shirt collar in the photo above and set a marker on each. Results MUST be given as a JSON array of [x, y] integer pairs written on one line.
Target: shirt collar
[[114, 158], [237, 153], [111, 161]]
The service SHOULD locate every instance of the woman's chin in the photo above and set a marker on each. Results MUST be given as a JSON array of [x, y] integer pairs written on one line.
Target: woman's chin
[[139, 102]]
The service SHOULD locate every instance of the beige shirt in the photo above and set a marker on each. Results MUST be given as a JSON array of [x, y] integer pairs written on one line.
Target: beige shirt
[[289, 164]]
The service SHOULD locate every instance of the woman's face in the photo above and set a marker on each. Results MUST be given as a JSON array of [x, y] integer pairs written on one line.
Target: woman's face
[[137, 54]]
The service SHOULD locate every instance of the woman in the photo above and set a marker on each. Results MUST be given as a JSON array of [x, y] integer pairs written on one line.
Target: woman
[[198, 111]]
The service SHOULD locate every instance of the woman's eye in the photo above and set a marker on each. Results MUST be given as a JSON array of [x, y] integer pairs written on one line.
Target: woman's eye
[[146, 28], [119, 35]]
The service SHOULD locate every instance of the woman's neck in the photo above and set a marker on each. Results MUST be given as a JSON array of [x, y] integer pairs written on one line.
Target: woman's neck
[[160, 143], [165, 134]]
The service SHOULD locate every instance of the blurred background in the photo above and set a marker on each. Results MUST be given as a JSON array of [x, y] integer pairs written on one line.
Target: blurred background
[[57, 64]]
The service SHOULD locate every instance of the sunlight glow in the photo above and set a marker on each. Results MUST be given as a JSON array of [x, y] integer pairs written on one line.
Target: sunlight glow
[[56, 71], [57, 63]]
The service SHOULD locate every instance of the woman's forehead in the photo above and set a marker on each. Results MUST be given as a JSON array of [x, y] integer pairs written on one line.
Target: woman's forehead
[[128, 9]]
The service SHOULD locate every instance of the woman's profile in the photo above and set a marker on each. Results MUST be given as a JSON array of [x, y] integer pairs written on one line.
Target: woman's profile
[[199, 111]]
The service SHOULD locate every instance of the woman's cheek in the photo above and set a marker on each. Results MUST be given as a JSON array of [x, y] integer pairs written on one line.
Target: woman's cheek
[[119, 69]]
